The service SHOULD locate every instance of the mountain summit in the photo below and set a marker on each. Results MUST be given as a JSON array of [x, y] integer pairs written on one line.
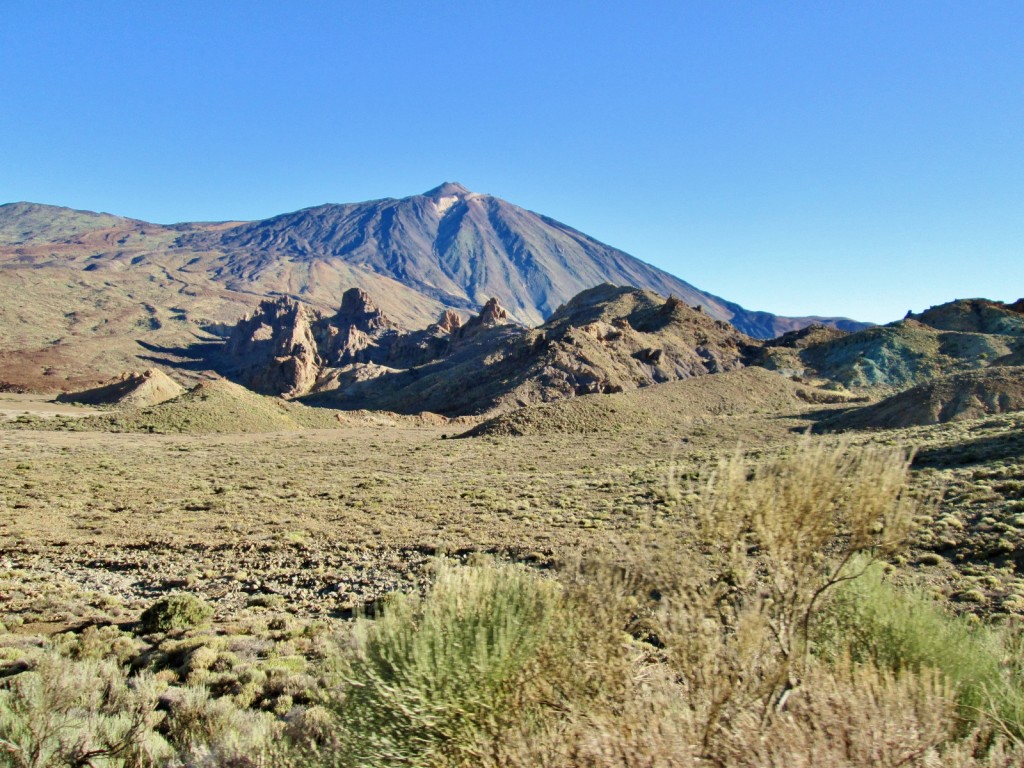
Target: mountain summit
[[447, 189], [460, 248]]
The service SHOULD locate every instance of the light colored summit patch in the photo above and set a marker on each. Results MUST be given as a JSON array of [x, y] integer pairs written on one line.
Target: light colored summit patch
[[442, 204]]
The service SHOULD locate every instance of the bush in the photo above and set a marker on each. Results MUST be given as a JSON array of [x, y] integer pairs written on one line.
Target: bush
[[898, 628], [66, 713], [179, 611], [743, 565], [433, 677]]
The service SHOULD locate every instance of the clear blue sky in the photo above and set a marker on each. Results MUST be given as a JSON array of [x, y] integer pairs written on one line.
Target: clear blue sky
[[860, 158]]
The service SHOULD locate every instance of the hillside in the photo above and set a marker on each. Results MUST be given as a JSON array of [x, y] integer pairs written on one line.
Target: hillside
[[670, 407], [958, 336], [955, 397]]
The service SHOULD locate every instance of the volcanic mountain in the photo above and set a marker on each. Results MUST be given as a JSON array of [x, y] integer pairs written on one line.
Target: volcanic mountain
[[461, 248], [84, 295]]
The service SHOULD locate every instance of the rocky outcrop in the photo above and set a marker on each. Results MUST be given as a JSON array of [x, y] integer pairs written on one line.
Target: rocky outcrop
[[449, 322], [273, 350], [492, 314], [956, 397], [973, 316], [358, 333], [285, 348]]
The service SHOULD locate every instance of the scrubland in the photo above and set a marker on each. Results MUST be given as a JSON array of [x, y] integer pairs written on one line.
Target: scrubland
[[712, 589]]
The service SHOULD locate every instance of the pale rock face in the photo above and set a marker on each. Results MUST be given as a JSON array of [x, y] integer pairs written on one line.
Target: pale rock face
[[450, 321], [444, 203], [493, 313]]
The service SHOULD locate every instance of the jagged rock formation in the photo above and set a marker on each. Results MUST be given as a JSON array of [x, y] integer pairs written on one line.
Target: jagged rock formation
[[607, 339], [283, 347], [273, 349], [956, 397], [131, 389]]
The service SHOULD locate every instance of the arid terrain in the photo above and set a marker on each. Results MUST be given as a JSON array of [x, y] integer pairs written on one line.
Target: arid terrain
[[360, 529]]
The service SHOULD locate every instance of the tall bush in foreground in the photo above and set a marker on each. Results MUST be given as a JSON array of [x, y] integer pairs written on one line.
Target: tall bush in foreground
[[743, 570], [431, 679]]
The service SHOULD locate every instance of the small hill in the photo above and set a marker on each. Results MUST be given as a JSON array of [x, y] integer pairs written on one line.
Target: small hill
[[222, 406], [662, 406], [956, 397], [131, 390]]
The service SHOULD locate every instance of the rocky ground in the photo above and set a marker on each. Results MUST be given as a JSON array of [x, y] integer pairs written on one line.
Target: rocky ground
[[324, 522]]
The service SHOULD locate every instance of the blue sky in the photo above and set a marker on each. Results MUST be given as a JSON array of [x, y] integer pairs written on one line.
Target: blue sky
[[856, 159]]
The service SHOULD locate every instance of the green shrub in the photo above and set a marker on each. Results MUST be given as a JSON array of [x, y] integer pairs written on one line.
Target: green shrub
[[903, 628], [432, 678], [67, 713], [179, 611]]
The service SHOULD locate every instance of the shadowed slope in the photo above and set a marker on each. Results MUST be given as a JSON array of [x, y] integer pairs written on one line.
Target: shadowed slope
[[957, 397]]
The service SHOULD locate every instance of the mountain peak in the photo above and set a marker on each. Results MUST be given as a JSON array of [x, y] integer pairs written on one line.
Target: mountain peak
[[447, 189]]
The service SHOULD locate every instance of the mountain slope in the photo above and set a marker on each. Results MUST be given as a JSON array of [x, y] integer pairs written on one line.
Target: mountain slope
[[23, 223], [85, 296], [956, 397], [961, 335], [461, 248]]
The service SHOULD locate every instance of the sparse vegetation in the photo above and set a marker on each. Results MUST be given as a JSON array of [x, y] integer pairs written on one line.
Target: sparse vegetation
[[729, 617]]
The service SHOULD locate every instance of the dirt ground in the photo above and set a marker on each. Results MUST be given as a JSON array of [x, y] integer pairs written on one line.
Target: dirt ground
[[13, 405], [328, 521]]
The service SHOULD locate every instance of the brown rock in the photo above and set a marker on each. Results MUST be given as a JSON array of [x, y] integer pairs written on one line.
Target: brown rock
[[274, 350]]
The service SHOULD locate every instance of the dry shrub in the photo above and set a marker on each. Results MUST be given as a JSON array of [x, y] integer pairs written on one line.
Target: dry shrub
[[651, 727], [743, 568], [850, 715], [67, 713]]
